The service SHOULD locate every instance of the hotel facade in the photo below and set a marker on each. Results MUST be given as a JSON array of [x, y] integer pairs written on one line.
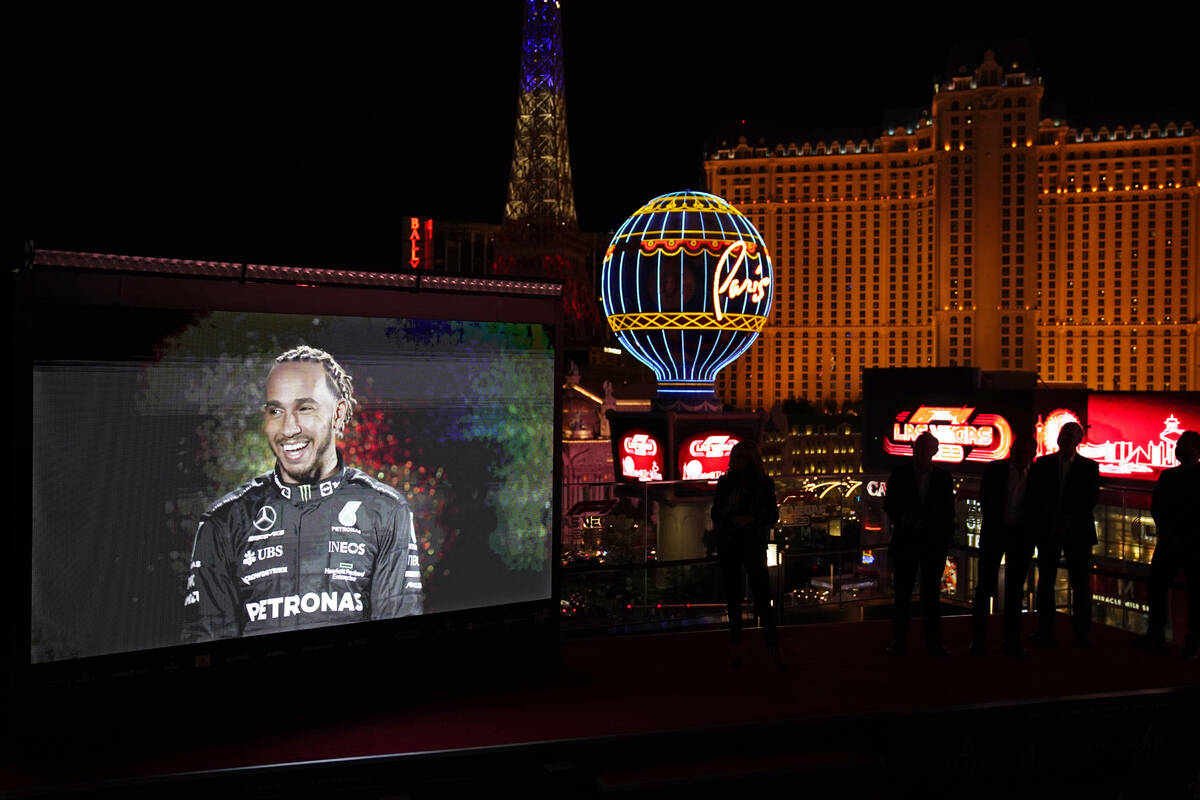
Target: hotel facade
[[982, 236]]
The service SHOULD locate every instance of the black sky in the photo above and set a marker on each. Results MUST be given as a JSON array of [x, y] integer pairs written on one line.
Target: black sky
[[302, 133]]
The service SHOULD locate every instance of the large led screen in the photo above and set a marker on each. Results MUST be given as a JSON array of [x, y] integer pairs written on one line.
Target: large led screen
[[209, 475]]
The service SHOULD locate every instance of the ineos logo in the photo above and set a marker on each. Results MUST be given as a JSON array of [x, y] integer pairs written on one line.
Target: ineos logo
[[265, 519]]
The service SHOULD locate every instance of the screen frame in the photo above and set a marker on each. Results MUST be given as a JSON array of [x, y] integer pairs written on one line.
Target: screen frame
[[91, 280]]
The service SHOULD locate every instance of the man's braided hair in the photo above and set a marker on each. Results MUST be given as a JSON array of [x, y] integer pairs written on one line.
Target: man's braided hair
[[340, 382]]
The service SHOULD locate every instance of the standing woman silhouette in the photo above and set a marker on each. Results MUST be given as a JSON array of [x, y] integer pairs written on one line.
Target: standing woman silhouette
[[744, 510]]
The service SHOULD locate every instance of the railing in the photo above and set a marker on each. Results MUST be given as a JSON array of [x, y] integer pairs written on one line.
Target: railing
[[630, 570]]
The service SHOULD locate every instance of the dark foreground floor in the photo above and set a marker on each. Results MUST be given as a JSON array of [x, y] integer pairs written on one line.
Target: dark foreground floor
[[662, 715]]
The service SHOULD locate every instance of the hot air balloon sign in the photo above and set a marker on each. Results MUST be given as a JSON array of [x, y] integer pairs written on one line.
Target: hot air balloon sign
[[687, 285]]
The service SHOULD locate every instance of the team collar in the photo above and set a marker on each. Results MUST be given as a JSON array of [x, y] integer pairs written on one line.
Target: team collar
[[303, 492]]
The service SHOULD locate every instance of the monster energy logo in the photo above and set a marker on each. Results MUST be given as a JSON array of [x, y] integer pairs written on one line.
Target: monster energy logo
[[305, 492]]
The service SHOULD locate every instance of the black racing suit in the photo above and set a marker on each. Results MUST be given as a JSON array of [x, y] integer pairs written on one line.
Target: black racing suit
[[272, 556]]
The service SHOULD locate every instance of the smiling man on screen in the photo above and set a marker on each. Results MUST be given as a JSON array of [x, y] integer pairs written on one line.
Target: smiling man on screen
[[312, 542]]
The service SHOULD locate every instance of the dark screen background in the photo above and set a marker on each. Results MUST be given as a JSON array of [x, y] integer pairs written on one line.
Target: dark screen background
[[142, 421]]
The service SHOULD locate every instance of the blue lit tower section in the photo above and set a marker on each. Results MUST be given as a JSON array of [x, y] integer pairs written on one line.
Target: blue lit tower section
[[686, 287], [540, 192], [540, 234]]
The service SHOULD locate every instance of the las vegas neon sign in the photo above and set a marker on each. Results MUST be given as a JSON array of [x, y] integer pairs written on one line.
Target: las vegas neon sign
[[962, 434]]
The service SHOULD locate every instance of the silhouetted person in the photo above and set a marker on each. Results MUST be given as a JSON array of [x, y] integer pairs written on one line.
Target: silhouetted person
[[920, 505], [744, 510], [1062, 494], [1004, 535], [1176, 510]]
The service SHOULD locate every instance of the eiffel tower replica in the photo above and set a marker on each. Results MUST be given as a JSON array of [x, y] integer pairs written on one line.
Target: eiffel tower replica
[[540, 234]]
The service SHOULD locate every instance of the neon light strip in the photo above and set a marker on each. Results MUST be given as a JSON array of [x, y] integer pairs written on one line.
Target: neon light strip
[[617, 289], [750, 236], [630, 344], [724, 359], [635, 348], [683, 348], [610, 276], [658, 295], [660, 371], [705, 367], [745, 299]]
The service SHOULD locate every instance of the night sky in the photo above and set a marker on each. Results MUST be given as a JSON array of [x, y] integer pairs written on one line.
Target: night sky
[[301, 133]]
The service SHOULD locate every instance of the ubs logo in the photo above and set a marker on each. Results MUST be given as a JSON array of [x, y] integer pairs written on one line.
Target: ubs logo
[[264, 520], [274, 551], [251, 556]]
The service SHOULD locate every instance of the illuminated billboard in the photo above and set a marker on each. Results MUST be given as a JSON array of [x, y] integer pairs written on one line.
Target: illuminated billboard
[[705, 457], [641, 456], [1133, 434], [974, 425], [963, 433], [653, 447], [686, 286]]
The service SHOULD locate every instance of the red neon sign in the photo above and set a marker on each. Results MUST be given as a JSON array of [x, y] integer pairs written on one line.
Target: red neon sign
[[414, 239], [640, 457], [962, 434], [1133, 435], [705, 457]]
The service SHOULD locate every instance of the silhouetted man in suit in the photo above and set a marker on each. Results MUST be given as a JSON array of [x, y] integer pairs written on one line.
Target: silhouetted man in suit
[[1004, 535], [1176, 510], [920, 507], [1063, 490]]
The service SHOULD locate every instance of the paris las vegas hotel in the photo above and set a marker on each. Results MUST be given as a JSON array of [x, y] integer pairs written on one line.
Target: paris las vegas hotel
[[983, 236]]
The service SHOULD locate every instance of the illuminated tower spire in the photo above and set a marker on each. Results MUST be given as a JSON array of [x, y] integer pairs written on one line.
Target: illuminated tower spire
[[540, 235], [539, 185]]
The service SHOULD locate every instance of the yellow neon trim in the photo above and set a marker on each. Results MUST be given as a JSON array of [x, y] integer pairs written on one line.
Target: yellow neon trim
[[686, 233], [675, 203], [587, 394], [686, 321]]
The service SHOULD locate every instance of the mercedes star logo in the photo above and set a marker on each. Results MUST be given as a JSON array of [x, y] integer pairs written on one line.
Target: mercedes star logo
[[265, 519]]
